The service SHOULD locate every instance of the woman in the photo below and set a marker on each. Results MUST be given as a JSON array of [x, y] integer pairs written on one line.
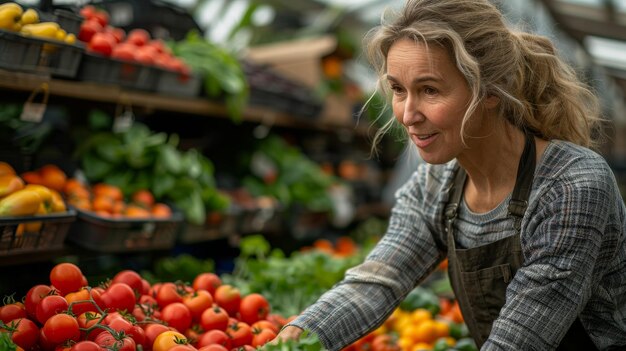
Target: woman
[[529, 217]]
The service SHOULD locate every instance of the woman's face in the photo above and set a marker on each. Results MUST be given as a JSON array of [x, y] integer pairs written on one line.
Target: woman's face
[[430, 96]]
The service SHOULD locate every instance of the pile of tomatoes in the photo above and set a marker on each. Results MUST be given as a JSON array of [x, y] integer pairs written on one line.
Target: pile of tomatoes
[[130, 314]]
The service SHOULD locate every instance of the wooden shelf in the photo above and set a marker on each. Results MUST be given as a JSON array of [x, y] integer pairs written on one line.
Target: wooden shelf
[[151, 101]]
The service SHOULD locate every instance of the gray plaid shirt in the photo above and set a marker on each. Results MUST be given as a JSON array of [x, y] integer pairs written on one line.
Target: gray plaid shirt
[[574, 257]]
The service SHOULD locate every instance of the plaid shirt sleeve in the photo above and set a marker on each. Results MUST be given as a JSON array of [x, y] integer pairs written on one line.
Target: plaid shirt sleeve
[[569, 240], [370, 291]]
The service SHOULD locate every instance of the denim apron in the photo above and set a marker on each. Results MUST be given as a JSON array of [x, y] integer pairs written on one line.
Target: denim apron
[[479, 276]]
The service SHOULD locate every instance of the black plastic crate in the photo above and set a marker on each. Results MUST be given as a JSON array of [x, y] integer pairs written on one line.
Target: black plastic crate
[[133, 75], [178, 84], [48, 234], [35, 55], [114, 235]]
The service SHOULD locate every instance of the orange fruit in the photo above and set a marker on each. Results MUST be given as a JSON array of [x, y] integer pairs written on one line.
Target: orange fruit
[[102, 203], [160, 210], [31, 177], [107, 190], [143, 198], [118, 207], [53, 177], [6, 168], [134, 211], [71, 184]]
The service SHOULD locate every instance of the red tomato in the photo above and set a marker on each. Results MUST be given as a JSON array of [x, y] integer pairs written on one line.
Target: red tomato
[[168, 293], [198, 302], [146, 286], [66, 277], [152, 330], [213, 347], [102, 43], [25, 334], [34, 296], [264, 324], [214, 318], [278, 320], [262, 337], [131, 278], [177, 315], [120, 324], [145, 55], [49, 306], [86, 321], [118, 33], [61, 328], [384, 342], [244, 348], [207, 281], [214, 337], [167, 340], [12, 311], [240, 334], [253, 307], [89, 301], [101, 17], [87, 11], [138, 335], [88, 29], [106, 340], [119, 297], [86, 345], [183, 348], [228, 297], [138, 37]]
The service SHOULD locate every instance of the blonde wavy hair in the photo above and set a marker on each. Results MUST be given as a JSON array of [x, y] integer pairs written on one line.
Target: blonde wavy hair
[[538, 91]]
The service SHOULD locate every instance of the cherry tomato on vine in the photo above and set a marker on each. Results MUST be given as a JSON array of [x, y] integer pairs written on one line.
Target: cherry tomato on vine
[[86, 345], [167, 340], [214, 318], [207, 281], [198, 302], [152, 330], [213, 347], [66, 277], [261, 337], [131, 278], [240, 334], [177, 316], [168, 293], [34, 296], [49, 306], [228, 297], [90, 300], [12, 311], [214, 337], [61, 328], [25, 332], [253, 307], [119, 297]]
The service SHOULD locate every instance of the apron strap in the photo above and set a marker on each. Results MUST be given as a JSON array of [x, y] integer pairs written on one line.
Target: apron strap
[[523, 183]]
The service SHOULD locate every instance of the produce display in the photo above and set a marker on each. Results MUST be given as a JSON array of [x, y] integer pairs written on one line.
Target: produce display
[[128, 313], [139, 159], [14, 18]]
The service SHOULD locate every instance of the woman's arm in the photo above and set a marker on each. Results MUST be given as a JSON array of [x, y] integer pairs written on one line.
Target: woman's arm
[[369, 292]]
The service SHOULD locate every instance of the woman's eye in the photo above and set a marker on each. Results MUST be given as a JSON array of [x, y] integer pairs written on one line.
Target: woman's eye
[[430, 91], [396, 89]]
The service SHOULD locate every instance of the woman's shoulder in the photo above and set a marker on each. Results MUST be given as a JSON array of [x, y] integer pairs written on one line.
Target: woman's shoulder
[[567, 164], [562, 157]]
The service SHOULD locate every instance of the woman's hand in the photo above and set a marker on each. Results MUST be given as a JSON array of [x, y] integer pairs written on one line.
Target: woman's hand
[[290, 332]]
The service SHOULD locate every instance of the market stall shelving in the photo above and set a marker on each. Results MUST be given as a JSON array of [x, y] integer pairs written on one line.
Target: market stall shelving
[[26, 82]]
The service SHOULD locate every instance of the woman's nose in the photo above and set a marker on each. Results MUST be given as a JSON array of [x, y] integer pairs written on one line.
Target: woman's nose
[[412, 113]]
